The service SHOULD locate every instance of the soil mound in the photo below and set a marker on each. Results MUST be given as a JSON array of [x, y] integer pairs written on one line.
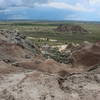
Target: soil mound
[[49, 66], [87, 55]]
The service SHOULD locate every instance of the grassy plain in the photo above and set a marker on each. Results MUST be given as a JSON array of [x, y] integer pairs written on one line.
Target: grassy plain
[[43, 31]]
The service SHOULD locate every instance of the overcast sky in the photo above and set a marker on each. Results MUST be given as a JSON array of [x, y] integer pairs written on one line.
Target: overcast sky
[[50, 9]]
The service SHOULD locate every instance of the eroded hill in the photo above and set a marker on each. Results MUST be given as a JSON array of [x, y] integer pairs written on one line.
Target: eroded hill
[[26, 75], [71, 28]]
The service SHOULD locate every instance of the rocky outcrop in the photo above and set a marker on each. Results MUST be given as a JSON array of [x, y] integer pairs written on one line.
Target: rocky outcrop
[[15, 47], [71, 29], [14, 37]]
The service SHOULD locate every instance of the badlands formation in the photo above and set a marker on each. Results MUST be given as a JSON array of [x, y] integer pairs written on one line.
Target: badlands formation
[[25, 74]]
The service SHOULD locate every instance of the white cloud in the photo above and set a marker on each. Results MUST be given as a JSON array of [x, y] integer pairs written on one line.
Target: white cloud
[[12, 9], [5, 4], [16, 3], [62, 5], [93, 2]]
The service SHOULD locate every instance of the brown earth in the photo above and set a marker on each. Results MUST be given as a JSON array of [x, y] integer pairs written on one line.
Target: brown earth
[[26, 75], [37, 85], [13, 52], [87, 55]]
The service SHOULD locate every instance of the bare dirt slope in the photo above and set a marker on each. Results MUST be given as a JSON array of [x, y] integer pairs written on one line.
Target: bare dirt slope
[[87, 55], [42, 86]]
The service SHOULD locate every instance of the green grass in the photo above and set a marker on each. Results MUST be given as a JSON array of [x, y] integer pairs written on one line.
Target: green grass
[[47, 30]]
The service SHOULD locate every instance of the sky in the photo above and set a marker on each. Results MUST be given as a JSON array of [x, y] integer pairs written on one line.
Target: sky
[[84, 10]]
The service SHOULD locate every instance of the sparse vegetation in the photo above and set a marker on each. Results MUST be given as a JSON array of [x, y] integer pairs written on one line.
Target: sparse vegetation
[[47, 30]]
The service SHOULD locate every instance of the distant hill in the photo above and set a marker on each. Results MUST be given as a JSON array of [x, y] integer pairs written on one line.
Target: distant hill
[[71, 28]]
